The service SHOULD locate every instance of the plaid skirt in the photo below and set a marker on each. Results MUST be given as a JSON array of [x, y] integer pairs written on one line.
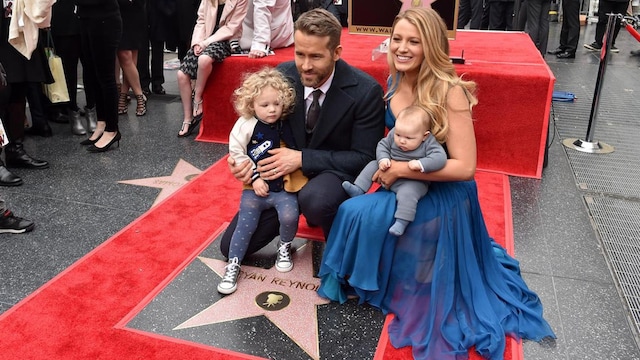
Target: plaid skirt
[[218, 51]]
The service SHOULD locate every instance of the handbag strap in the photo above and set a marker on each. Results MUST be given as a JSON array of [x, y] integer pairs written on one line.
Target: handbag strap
[[50, 40]]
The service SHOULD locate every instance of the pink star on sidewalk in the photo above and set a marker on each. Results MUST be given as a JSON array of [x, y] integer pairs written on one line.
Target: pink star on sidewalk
[[289, 300], [182, 173]]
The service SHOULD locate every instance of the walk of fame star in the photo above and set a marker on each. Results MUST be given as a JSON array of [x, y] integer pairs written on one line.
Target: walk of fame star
[[182, 173], [406, 4], [264, 292]]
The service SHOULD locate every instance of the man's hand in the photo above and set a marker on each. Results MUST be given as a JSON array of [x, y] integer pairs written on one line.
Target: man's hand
[[281, 162], [240, 171]]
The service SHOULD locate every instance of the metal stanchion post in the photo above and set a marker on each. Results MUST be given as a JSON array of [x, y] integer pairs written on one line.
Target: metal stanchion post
[[589, 145]]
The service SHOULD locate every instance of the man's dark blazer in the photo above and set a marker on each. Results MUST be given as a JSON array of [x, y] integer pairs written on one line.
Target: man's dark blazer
[[350, 125]]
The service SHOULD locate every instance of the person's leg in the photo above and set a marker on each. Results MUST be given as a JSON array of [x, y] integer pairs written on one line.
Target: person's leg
[[618, 8], [508, 16], [143, 67], [12, 224], [286, 204], [320, 198], [15, 155], [267, 230], [106, 39], [188, 70], [464, 13], [128, 59], [604, 7], [38, 103], [251, 206], [69, 51], [543, 29], [217, 51], [205, 65], [476, 14], [157, 67], [363, 182], [532, 26], [496, 16], [571, 20]]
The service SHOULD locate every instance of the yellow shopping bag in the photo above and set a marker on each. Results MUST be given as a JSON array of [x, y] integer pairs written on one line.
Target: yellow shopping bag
[[57, 92]]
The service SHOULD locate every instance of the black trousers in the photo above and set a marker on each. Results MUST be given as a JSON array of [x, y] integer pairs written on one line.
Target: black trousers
[[537, 23], [501, 15], [470, 10], [156, 75], [69, 48], [100, 39], [606, 7], [318, 200], [570, 31]]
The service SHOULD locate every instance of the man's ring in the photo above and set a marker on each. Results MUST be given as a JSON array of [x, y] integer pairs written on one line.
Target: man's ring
[[274, 171]]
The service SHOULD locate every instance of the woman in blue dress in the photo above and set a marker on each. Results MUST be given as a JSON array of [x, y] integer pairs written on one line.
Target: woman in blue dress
[[449, 285]]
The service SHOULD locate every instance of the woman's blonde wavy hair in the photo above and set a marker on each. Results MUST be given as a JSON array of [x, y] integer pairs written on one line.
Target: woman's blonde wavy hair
[[436, 74], [252, 86]]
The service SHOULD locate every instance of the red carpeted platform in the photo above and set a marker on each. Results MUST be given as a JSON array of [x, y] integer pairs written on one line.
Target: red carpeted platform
[[515, 86], [77, 315]]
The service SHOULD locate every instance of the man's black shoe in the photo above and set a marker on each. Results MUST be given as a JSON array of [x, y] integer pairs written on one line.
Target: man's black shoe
[[12, 224], [60, 118], [556, 51], [7, 178], [635, 53], [18, 158], [158, 89], [566, 55], [44, 131]]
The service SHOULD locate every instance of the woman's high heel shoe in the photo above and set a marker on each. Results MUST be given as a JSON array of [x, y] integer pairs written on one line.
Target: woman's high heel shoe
[[89, 141], [123, 105], [116, 139], [141, 107]]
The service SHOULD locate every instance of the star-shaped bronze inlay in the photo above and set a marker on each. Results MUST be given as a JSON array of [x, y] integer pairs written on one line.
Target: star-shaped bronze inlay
[[182, 173], [288, 300], [406, 4]]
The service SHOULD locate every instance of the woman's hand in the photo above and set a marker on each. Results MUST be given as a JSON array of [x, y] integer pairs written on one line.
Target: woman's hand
[[240, 171], [281, 162], [257, 54], [197, 49], [388, 177]]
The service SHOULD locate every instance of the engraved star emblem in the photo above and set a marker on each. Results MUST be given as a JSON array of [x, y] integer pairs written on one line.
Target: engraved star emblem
[[263, 292], [182, 173], [406, 4]]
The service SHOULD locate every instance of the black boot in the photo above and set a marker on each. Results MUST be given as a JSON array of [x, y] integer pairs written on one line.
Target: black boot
[[18, 158], [7, 178], [76, 123]]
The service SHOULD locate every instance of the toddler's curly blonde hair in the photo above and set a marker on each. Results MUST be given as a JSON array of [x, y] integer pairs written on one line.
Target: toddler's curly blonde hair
[[252, 86]]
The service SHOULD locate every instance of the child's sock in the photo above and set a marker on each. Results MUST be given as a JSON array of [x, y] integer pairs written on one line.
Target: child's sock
[[398, 227], [351, 189]]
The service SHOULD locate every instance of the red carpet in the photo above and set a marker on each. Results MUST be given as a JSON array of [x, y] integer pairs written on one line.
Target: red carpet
[[515, 87], [74, 316]]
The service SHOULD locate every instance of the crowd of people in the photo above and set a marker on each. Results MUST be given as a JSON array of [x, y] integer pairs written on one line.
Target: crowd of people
[[305, 132]]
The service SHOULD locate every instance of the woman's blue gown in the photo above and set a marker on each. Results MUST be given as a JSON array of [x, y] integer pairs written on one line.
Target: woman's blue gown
[[449, 285]]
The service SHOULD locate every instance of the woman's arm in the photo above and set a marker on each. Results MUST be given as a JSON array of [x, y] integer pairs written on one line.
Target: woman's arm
[[461, 145]]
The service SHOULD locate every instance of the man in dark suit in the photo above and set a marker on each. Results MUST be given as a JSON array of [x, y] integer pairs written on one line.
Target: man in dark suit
[[337, 145], [570, 31]]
